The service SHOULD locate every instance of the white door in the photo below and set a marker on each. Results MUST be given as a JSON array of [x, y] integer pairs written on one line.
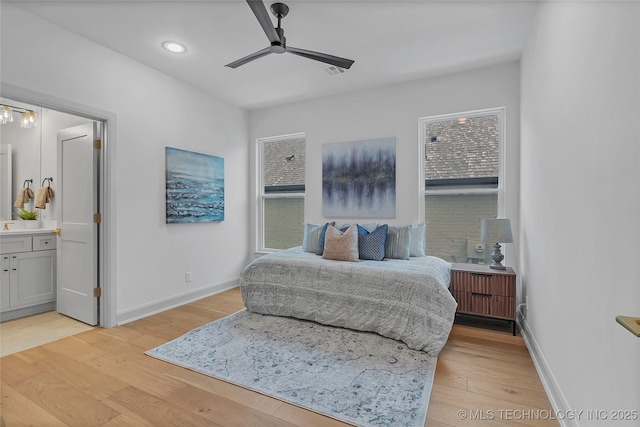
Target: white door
[[77, 200]]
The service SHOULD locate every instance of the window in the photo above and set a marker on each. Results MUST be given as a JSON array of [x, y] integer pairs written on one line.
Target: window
[[462, 181], [281, 188]]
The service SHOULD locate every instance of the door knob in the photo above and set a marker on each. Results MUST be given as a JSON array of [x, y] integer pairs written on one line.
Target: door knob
[[56, 231]]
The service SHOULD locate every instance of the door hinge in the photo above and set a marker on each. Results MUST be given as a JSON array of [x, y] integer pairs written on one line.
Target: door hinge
[[97, 292], [97, 218], [97, 144]]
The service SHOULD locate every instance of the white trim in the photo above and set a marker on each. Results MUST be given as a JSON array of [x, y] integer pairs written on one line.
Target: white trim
[[108, 301], [461, 191], [557, 399], [421, 156], [175, 301], [283, 196], [260, 194]]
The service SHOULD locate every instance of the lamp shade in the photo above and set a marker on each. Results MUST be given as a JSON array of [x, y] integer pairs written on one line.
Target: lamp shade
[[496, 231]]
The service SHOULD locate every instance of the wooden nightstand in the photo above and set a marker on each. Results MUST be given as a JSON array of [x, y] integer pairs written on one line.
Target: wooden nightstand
[[482, 291]]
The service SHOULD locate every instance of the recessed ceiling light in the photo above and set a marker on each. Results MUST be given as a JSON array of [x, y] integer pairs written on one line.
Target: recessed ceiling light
[[174, 47]]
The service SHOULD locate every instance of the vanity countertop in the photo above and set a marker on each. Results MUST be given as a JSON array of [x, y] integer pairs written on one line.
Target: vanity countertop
[[16, 228], [20, 231]]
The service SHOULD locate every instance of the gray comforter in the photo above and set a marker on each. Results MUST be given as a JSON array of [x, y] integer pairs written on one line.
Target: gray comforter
[[407, 300]]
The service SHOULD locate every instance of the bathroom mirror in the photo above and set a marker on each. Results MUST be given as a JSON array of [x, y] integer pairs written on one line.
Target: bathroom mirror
[[5, 181], [33, 154]]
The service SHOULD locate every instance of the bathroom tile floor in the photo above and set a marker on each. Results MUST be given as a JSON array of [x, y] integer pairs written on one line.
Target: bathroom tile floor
[[21, 334]]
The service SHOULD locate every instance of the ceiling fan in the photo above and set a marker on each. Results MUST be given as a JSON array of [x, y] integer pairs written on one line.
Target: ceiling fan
[[279, 42]]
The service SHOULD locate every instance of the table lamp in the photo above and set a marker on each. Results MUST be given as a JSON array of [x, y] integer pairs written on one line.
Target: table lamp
[[498, 231]]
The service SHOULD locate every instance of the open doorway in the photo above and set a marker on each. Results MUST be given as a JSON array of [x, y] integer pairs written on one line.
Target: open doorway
[[35, 158]]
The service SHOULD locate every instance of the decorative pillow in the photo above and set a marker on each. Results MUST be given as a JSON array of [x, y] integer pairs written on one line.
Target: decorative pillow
[[323, 231], [371, 244], [341, 246], [418, 235], [398, 244], [311, 239]]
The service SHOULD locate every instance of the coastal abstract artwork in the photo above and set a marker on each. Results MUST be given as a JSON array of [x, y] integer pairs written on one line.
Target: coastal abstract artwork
[[194, 186], [359, 179]]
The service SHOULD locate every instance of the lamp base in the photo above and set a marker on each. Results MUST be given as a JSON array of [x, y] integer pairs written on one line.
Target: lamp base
[[497, 258]]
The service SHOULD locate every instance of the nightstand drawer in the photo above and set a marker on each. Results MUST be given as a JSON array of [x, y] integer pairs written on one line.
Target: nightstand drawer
[[485, 304], [483, 283]]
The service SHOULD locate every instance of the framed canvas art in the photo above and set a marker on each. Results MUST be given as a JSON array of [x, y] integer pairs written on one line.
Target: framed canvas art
[[359, 179], [194, 186]]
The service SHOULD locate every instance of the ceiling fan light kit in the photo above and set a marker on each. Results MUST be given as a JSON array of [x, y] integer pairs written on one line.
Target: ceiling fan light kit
[[278, 42]]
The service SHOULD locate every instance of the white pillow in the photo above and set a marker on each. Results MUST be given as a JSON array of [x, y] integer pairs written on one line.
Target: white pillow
[[418, 237], [341, 246], [311, 239]]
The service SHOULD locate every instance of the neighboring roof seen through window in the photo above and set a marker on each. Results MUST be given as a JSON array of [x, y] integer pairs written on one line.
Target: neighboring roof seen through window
[[284, 164], [461, 149]]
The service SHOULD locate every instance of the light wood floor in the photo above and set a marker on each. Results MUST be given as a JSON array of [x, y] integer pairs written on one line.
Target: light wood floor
[[102, 377]]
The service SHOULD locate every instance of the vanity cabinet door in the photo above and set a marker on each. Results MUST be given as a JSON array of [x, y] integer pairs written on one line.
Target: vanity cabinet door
[[32, 278], [5, 301]]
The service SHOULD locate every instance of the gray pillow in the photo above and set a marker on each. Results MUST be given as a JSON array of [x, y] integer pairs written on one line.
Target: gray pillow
[[398, 243]]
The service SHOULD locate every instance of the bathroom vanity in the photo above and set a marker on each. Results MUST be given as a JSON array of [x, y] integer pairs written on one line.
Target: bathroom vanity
[[28, 284]]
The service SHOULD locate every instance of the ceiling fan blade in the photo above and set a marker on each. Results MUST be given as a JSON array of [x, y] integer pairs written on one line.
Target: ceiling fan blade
[[249, 58], [260, 11], [322, 57]]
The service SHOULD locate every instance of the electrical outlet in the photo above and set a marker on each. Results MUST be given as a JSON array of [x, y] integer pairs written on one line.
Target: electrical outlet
[[187, 276]]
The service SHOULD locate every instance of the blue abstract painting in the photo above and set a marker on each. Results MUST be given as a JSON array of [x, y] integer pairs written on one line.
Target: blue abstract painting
[[359, 179], [194, 186]]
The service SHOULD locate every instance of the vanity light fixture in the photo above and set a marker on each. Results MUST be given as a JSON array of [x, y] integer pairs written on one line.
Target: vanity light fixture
[[28, 120], [7, 114], [174, 47], [28, 117]]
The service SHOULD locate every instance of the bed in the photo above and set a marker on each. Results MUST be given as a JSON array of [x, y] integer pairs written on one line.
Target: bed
[[403, 299]]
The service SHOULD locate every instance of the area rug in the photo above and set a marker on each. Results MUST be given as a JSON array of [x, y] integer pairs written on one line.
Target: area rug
[[356, 377]]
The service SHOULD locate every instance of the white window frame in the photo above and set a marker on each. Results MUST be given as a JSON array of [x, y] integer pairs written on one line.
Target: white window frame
[[261, 195], [501, 112]]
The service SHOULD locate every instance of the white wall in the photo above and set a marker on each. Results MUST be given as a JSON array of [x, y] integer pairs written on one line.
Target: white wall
[[153, 110], [393, 111], [580, 193]]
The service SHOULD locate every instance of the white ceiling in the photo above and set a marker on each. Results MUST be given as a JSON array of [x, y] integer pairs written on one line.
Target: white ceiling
[[390, 41]]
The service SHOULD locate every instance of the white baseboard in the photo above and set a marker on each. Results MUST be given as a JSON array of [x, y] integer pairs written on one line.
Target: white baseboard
[[139, 312], [557, 399]]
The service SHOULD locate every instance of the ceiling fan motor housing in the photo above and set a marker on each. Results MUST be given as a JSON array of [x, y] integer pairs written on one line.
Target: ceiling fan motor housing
[[281, 46]]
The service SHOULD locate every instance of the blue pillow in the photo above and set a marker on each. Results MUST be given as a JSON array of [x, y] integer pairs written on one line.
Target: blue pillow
[[371, 244]]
